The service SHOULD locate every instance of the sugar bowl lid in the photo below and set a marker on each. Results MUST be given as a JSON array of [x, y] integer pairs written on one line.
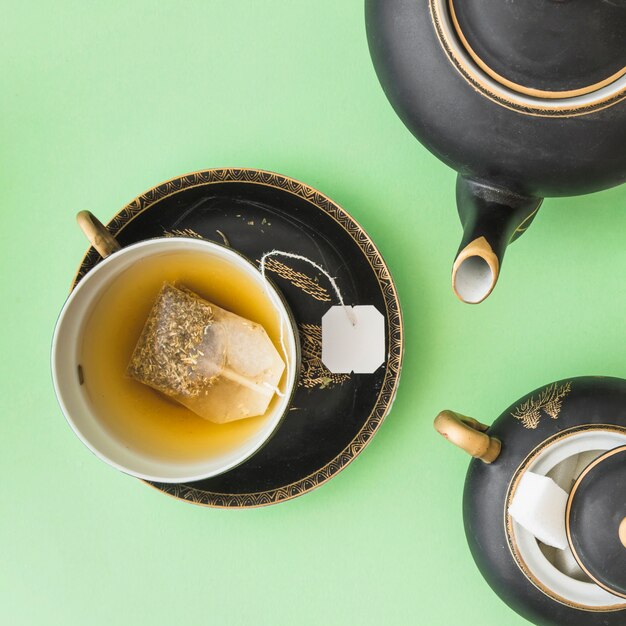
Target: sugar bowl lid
[[596, 521], [546, 49]]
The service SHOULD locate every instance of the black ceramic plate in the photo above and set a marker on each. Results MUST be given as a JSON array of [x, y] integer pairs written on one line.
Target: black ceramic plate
[[333, 417]]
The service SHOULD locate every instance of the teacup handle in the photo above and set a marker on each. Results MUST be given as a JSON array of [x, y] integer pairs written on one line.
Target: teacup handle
[[99, 237]]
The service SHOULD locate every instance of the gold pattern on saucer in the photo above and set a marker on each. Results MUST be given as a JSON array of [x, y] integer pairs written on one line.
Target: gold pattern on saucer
[[185, 232], [393, 316], [549, 402], [298, 279], [313, 372]]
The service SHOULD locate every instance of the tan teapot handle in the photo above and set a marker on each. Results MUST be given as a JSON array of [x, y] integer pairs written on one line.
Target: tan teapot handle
[[99, 237], [468, 434]]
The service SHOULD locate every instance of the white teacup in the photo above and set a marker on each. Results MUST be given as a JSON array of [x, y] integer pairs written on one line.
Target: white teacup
[[84, 416]]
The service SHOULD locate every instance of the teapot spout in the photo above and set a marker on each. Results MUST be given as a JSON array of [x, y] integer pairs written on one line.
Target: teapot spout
[[492, 217]]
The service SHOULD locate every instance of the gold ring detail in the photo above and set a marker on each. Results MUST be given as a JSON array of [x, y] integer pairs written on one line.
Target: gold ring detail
[[514, 97], [508, 522], [570, 500], [529, 91]]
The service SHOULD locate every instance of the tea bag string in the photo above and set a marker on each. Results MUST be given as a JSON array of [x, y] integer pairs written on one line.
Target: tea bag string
[[348, 310], [262, 266]]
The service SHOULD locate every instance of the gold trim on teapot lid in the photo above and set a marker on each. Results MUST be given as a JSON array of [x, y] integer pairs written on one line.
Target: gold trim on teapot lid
[[525, 89], [516, 548], [543, 103], [595, 522]]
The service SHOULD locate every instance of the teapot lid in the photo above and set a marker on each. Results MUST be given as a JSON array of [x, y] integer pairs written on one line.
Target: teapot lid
[[595, 521], [545, 48]]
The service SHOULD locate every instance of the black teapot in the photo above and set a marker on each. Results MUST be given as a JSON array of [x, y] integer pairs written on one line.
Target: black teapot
[[524, 98], [544, 502]]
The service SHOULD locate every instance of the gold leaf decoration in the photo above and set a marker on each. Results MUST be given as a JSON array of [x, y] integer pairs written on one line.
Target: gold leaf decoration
[[314, 372], [186, 232], [549, 401], [298, 279]]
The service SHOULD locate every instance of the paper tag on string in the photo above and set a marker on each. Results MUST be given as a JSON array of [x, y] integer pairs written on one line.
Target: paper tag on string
[[353, 345], [353, 337]]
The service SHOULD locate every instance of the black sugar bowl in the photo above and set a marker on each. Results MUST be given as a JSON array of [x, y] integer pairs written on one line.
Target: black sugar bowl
[[544, 502]]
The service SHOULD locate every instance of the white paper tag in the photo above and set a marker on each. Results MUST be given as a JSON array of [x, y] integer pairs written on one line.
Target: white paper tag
[[353, 346], [539, 506]]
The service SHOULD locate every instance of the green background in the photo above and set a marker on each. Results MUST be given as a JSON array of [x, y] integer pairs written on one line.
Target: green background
[[100, 101]]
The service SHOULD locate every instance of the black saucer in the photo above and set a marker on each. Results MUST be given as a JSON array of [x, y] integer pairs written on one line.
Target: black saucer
[[333, 417]]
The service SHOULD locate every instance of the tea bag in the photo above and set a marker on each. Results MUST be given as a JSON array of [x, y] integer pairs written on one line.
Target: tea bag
[[220, 365]]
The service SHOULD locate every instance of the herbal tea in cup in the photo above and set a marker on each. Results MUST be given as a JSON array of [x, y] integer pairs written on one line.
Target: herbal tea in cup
[[130, 424]]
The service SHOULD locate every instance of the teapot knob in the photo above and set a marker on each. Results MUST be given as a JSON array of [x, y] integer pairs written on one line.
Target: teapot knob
[[468, 434]]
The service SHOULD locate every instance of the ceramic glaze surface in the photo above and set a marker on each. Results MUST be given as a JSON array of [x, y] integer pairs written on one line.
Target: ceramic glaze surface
[[529, 149], [554, 48], [524, 99], [590, 411], [595, 519]]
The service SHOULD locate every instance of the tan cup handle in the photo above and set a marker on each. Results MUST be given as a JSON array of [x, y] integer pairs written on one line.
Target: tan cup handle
[[99, 237], [468, 434]]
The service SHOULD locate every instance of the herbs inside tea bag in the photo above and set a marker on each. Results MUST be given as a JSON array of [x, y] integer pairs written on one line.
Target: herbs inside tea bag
[[220, 365]]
